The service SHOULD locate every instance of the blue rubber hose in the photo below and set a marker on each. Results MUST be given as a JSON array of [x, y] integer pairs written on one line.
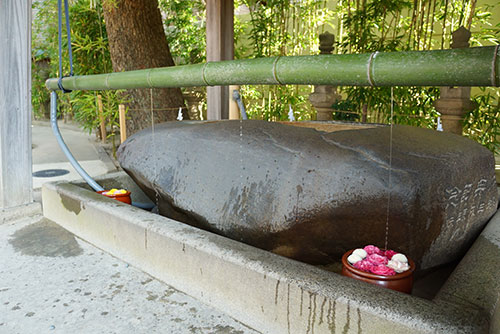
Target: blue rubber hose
[[64, 147], [53, 107], [90, 181], [237, 98]]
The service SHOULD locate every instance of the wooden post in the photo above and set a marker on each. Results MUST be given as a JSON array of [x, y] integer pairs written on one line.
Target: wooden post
[[123, 123], [364, 116], [15, 104], [104, 134], [220, 46]]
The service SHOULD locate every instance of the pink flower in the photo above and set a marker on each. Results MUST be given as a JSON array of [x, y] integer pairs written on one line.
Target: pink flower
[[382, 270], [370, 249], [376, 259], [389, 253], [364, 265]]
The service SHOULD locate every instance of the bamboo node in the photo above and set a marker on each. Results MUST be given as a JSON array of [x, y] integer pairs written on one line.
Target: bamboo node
[[203, 74], [493, 68], [369, 68], [275, 75]]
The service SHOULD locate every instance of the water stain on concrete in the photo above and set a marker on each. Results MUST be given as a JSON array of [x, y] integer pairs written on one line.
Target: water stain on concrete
[[151, 296], [146, 281], [226, 330], [45, 238], [70, 204]]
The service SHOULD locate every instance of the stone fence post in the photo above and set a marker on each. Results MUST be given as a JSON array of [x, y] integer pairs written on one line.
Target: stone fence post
[[455, 102], [324, 96]]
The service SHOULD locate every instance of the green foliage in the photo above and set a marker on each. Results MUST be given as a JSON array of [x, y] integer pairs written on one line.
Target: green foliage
[[342, 111], [274, 102], [288, 27], [394, 25], [411, 105], [40, 69], [85, 108], [89, 40], [483, 123], [185, 30], [281, 28], [43, 30], [371, 25], [90, 56], [285, 27]]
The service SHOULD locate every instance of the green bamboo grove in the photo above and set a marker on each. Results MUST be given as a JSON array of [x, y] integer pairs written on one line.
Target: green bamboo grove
[[479, 66]]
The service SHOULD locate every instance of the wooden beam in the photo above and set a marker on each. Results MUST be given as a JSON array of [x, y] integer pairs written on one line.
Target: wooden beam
[[15, 103], [220, 46]]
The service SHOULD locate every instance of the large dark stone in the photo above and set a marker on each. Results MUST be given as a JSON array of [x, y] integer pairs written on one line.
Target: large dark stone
[[312, 195]]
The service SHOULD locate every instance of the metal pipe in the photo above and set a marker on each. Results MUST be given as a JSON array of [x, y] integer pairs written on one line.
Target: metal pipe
[[64, 147], [241, 106], [478, 66]]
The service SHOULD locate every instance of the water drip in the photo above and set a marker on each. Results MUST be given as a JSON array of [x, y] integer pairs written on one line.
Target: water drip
[[153, 145], [390, 172], [242, 168]]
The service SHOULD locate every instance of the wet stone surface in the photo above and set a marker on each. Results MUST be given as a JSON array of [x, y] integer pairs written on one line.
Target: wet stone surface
[[52, 282], [312, 195]]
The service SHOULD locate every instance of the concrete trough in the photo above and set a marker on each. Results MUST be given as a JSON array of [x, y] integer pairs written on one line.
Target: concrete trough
[[270, 293]]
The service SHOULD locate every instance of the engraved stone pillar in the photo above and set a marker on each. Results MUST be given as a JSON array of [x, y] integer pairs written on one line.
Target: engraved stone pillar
[[324, 96], [455, 102]]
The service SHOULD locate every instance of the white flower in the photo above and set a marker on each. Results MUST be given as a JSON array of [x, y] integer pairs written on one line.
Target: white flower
[[400, 258], [353, 258], [360, 252], [398, 266]]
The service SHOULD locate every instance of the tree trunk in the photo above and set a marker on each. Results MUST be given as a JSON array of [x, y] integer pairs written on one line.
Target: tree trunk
[[137, 41]]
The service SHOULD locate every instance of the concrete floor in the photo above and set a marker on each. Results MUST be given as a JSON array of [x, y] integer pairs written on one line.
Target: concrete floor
[[52, 282], [48, 155]]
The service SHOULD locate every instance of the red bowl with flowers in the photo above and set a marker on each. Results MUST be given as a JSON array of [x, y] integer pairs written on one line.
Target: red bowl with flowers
[[374, 269]]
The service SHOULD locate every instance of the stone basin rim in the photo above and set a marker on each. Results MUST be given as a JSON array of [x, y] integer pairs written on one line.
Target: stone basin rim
[[427, 314]]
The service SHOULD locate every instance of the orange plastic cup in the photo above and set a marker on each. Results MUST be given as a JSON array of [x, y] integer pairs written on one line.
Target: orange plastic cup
[[125, 198]]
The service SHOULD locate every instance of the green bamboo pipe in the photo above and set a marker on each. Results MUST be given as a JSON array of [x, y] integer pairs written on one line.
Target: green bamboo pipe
[[479, 66]]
